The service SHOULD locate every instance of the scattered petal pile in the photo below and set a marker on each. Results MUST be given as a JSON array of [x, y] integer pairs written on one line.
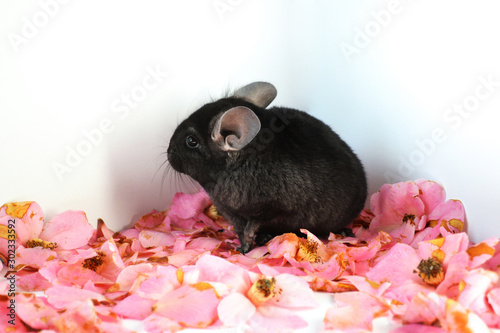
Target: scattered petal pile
[[410, 261]]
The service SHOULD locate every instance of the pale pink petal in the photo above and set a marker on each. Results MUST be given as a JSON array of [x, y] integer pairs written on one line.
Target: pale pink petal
[[494, 300], [189, 306], [455, 272], [459, 319], [74, 318], [406, 292], [32, 282], [332, 269], [367, 286], [155, 287], [70, 230], [482, 252], [494, 262], [63, 296], [294, 292], [432, 194], [444, 248], [273, 319], [203, 244], [219, 270], [425, 309], [115, 327], [396, 266], [181, 258], [276, 270], [235, 309], [112, 263], [78, 255], [392, 203], [10, 321], [28, 217], [180, 243], [159, 324], [448, 210], [151, 238], [35, 311], [369, 251], [154, 220], [319, 284], [34, 257], [77, 275], [134, 307], [101, 232], [186, 206], [354, 310], [477, 284], [404, 233], [131, 276]]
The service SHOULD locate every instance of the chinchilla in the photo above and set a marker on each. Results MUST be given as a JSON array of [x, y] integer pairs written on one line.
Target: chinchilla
[[269, 171]]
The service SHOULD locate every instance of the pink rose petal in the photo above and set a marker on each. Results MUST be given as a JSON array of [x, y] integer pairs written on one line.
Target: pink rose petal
[[134, 307], [63, 296], [151, 238], [392, 203], [396, 266], [34, 257], [189, 306], [494, 300], [70, 230], [214, 269], [354, 310], [186, 206], [35, 312], [159, 324], [274, 319], [235, 309]]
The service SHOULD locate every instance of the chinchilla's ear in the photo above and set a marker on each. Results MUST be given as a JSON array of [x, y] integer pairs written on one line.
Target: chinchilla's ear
[[235, 128], [258, 93]]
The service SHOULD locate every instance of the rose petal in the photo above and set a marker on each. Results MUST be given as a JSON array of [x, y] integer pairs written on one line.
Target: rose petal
[[70, 230], [219, 270], [294, 293], [235, 309], [134, 307], [189, 306], [151, 238], [396, 266], [34, 257], [432, 194], [63, 296], [273, 319], [354, 310], [187, 206]]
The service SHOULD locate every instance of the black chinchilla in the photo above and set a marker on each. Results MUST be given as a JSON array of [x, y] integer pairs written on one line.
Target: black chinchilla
[[269, 171]]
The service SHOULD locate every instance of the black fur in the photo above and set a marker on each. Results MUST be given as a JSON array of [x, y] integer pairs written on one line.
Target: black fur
[[296, 173]]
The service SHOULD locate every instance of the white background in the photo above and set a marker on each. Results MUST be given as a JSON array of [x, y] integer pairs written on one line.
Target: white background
[[386, 75]]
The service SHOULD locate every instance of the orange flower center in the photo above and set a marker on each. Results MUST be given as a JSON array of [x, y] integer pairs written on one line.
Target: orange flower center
[[430, 271], [262, 290], [40, 242], [308, 251], [94, 262]]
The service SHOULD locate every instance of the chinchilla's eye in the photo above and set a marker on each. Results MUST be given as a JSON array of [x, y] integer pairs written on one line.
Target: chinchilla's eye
[[191, 142]]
